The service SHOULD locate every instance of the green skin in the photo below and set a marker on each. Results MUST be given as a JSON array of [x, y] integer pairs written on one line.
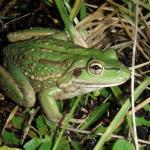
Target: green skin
[[56, 69]]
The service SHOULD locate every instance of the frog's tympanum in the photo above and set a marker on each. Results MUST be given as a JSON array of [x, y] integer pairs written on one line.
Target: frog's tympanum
[[55, 69]]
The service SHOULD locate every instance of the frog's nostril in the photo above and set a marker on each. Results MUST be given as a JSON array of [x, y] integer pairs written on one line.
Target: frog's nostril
[[128, 74], [124, 74]]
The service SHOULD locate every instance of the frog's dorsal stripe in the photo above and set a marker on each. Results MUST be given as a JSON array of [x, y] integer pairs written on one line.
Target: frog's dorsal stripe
[[50, 62], [44, 78]]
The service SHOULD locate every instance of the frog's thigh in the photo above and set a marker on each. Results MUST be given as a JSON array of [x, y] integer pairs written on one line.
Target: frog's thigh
[[49, 105], [8, 85], [23, 83]]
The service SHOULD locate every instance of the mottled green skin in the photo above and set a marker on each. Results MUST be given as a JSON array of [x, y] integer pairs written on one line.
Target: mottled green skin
[[56, 69], [43, 61]]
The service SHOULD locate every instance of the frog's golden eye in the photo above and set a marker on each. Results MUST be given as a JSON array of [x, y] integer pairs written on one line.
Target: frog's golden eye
[[95, 68]]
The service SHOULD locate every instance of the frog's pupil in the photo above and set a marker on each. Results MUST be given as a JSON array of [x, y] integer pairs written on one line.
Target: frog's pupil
[[96, 67]]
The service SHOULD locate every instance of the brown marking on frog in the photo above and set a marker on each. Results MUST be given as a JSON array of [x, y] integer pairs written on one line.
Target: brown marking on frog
[[52, 62], [77, 72], [43, 49]]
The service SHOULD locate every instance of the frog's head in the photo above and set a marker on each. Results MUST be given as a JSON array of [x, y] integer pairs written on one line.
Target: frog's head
[[97, 70]]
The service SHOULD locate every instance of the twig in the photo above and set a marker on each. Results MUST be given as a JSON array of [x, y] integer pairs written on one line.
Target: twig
[[140, 65], [132, 75], [141, 105], [26, 130], [100, 134]]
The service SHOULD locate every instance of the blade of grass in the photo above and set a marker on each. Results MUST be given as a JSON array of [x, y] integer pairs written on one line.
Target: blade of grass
[[76, 37], [130, 124], [95, 115], [118, 94], [68, 7], [121, 8], [120, 115], [83, 12], [75, 9], [66, 121]]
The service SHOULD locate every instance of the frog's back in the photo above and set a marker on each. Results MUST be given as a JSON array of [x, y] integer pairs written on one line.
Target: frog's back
[[42, 60]]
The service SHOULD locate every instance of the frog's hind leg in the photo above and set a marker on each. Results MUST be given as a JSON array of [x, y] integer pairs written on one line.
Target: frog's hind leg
[[8, 85], [26, 34], [16, 86]]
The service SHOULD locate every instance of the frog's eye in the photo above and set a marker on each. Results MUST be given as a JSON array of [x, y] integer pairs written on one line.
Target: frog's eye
[[95, 68]]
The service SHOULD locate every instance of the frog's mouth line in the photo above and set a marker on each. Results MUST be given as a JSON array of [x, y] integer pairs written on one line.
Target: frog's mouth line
[[96, 85]]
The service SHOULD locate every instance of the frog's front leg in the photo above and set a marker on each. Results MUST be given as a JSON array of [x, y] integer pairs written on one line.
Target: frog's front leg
[[49, 105], [16, 85]]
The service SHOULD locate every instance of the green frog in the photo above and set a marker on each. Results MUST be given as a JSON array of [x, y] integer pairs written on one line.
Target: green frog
[[53, 68]]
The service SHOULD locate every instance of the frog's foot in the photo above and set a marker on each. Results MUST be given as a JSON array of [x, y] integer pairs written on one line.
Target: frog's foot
[[16, 86]]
